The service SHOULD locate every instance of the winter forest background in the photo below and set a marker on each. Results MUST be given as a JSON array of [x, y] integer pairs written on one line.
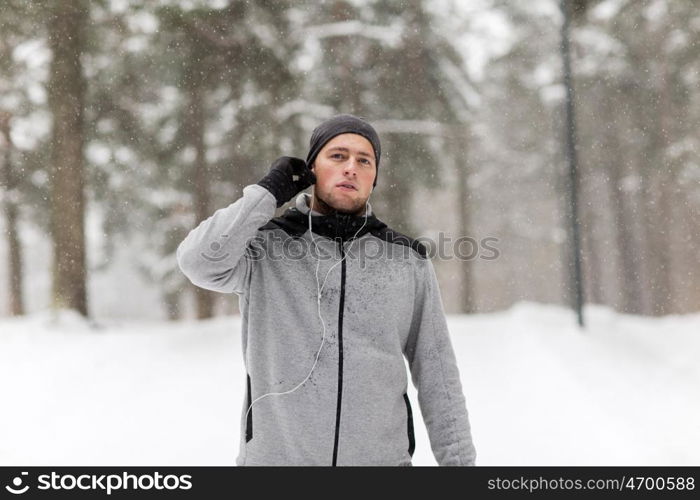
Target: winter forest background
[[167, 109], [125, 123]]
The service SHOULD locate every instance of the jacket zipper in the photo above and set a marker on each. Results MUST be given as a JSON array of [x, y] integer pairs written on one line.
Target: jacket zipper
[[340, 354]]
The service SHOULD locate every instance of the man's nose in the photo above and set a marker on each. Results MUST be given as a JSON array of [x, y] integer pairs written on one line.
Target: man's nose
[[351, 166]]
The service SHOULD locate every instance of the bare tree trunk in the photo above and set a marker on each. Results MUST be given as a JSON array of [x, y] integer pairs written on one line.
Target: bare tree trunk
[[172, 305], [590, 254], [622, 215], [395, 194], [656, 186], [654, 117], [574, 177], [592, 208], [629, 260], [658, 233], [66, 101], [690, 243], [667, 181], [464, 210], [11, 213], [195, 126]]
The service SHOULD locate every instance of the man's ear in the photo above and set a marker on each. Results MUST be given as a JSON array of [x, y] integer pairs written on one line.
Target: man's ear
[[313, 174]]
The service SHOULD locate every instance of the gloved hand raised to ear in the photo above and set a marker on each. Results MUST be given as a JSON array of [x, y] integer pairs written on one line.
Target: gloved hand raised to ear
[[287, 176]]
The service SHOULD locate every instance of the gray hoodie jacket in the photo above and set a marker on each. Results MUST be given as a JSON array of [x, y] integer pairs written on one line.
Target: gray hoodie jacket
[[380, 304]]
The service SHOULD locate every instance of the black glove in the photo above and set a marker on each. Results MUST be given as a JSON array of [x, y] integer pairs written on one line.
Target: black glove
[[287, 176]]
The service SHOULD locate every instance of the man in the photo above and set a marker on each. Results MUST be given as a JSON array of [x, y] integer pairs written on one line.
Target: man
[[331, 300]]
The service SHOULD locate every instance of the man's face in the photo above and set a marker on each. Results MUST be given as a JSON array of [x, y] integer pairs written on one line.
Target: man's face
[[345, 169]]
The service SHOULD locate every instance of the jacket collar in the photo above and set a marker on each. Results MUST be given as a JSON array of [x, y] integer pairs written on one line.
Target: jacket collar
[[334, 226], [295, 222]]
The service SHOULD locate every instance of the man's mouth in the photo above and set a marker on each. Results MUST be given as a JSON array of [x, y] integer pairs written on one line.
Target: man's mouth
[[347, 186]]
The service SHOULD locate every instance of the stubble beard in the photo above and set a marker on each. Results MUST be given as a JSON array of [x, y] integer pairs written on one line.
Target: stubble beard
[[320, 205]]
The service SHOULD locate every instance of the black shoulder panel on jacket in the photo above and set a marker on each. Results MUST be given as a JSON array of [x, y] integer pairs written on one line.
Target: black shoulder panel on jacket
[[390, 236], [293, 223]]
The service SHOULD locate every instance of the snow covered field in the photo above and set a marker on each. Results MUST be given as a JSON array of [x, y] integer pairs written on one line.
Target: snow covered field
[[624, 392]]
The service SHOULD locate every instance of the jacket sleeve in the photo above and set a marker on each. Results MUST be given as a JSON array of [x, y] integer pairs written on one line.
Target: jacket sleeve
[[435, 375], [216, 254]]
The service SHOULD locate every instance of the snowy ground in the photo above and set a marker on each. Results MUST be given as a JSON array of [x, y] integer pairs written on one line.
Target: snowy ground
[[624, 392]]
